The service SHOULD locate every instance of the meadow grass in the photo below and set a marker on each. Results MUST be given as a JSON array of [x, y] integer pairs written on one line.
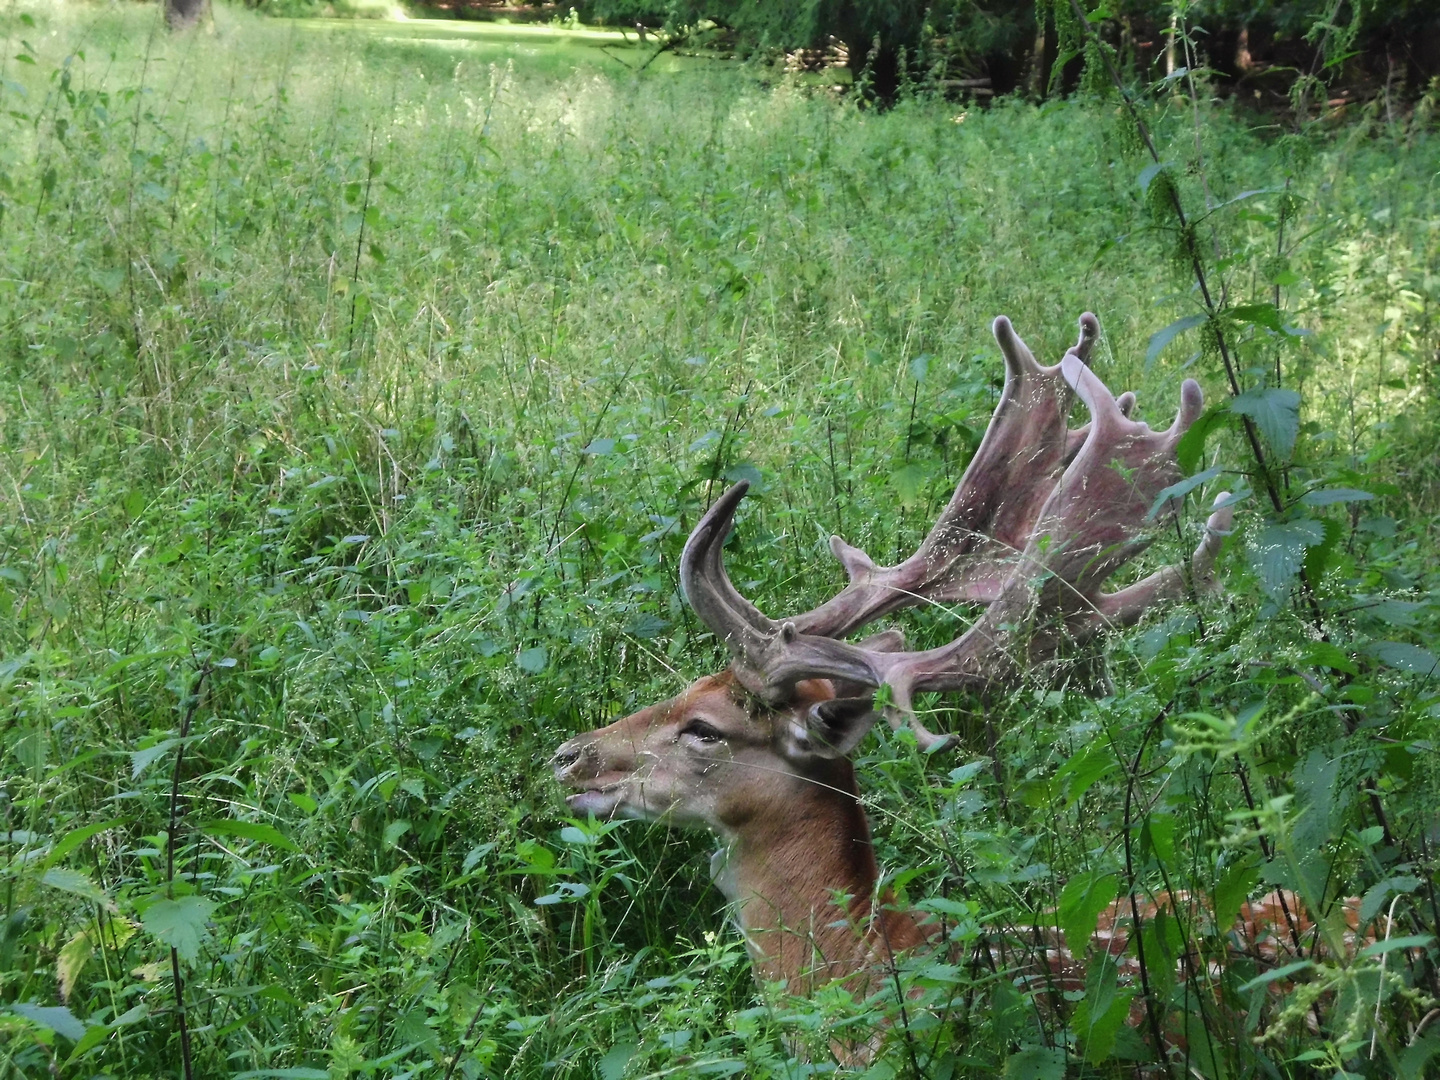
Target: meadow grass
[[359, 389]]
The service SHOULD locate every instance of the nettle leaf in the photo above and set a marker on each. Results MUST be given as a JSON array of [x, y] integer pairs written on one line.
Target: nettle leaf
[[140, 760], [533, 660], [75, 883], [1191, 446], [1161, 338], [1279, 552], [1329, 496], [909, 481], [1375, 897], [1035, 1063], [1081, 902], [1275, 411], [57, 1018], [1180, 489], [180, 924], [249, 830], [1403, 657]]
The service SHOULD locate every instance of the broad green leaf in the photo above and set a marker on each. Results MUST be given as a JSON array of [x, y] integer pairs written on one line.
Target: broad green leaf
[[600, 447], [57, 1018], [1266, 315], [533, 660], [1084, 768], [180, 924], [249, 830], [284, 1074], [1161, 338], [1276, 413], [909, 481], [394, 831], [1278, 973], [1317, 556], [1231, 891], [611, 1065], [75, 837], [1410, 941], [1279, 552], [919, 367], [75, 883], [1081, 901], [1403, 657], [1035, 1063], [1329, 496], [73, 957], [140, 760], [1417, 1055], [1192, 444], [1375, 897], [1181, 488], [1148, 174]]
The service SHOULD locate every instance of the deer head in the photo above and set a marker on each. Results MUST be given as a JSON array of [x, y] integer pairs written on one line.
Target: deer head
[[1042, 517]]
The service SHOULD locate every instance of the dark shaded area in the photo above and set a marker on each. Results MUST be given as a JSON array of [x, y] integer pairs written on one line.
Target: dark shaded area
[[986, 47]]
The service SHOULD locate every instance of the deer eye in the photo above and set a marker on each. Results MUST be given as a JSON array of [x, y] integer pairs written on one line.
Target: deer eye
[[702, 731]]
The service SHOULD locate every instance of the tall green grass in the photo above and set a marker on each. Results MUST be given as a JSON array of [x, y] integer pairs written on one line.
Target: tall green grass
[[356, 401]]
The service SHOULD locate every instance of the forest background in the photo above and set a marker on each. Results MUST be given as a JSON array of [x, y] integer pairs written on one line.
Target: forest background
[[362, 379]]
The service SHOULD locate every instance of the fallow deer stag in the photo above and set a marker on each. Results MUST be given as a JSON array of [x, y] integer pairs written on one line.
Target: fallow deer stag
[[1042, 517]]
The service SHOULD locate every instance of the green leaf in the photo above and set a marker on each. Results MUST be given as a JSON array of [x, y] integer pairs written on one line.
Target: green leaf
[[249, 830], [1232, 889], [75, 883], [611, 1065], [1266, 315], [180, 924], [1279, 973], [1081, 902], [919, 367], [1417, 1055], [1329, 496], [1377, 894], [1403, 657], [1410, 941], [909, 481], [57, 1018], [75, 837], [140, 760], [1161, 338], [601, 446], [533, 660], [394, 831], [284, 1074], [1317, 556], [1279, 552], [1276, 412], [1148, 174], [1035, 1063], [1192, 444], [1181, 488]]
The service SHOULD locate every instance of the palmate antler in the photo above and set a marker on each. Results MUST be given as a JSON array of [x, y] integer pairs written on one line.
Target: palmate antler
[[1041, 519]]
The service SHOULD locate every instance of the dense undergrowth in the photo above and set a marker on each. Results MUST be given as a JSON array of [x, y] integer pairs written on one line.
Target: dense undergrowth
[[356, 405]]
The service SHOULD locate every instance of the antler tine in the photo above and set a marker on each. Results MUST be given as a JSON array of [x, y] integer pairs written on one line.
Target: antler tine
[[1088, 528], [709, 591], [1073, 515], [968, 552], [1125, 607]]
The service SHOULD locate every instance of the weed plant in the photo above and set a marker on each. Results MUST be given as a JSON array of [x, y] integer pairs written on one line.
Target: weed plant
[[357, 400]]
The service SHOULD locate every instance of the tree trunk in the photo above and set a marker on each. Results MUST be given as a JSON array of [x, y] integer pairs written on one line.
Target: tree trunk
[[180, 14]]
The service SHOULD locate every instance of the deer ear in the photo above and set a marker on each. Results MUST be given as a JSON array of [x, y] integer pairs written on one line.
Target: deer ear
[[833, 728]]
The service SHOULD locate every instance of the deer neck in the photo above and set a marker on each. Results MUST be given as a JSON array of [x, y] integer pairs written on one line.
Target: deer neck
[[802, 882]]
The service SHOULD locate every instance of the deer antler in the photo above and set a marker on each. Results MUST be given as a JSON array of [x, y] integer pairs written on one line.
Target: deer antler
[[1040, 520]]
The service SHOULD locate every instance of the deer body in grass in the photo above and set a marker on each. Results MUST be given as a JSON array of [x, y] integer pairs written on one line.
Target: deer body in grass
[[759, 754]]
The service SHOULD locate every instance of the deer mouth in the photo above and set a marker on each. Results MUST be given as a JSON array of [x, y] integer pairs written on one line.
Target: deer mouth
[[602, 801]]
